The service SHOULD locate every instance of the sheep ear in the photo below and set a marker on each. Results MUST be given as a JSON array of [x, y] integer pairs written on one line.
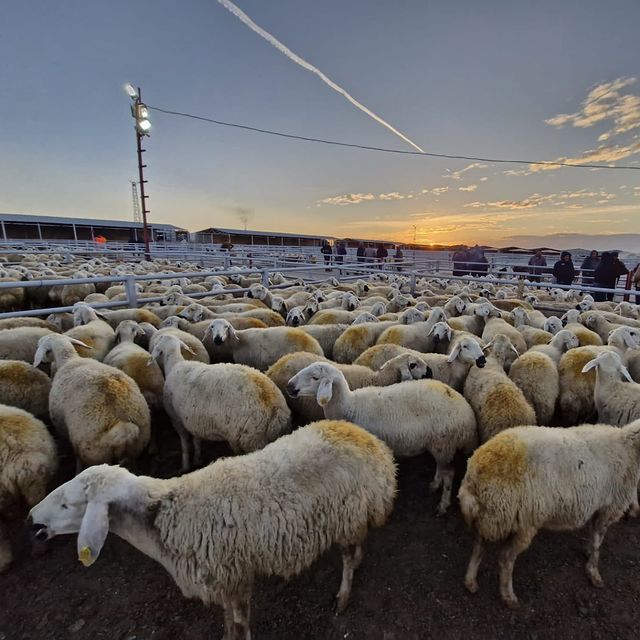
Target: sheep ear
[[454, 354], [232, 332], [100, 314], [592, 364], [516, 351], [79, 343], [93, 532], [325, 391], [186, 347], [486, 346], [626, 374]]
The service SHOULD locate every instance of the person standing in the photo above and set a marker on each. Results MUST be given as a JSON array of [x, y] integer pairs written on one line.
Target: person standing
[[607, 274], [341, 252], [381, 254], [589, 265], [563, 270], [360, 253], [636, 282], [459, 259], [537, 261], [399, 256], [326, 251], [370, 254]]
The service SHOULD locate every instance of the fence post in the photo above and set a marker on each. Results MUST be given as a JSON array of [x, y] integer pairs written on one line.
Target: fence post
[[265, 277], [131, 291], [226, 262], [413, 283]]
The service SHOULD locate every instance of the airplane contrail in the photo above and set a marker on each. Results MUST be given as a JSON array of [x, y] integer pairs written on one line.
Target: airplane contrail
[[243, 17]]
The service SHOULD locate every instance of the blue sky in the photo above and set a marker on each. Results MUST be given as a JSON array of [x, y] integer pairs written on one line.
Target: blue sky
[[476, 78]]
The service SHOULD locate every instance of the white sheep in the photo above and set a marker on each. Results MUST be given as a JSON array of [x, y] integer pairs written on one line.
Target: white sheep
[[260, 348], [536, 375], [495, 326], [586, 337], [228, 402], [92, 331], [27, 464], [272, 512], [400, 367], [411, 417], [616, 395], [21, 343], [98, 408], [497, 402], [530, 478], [137, 363], [575, 401], [25, 387], [559, 344]]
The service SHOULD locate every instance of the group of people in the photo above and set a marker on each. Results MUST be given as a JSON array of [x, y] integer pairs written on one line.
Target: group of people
[[598, 271], [364, 253], [470, 262]]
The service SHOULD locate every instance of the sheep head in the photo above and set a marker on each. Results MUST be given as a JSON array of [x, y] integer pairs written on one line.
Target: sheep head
[[316, 379], [220, 331], [608, 362]]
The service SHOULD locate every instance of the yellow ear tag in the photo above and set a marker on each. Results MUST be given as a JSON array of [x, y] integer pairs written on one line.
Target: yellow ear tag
[[84, 555]]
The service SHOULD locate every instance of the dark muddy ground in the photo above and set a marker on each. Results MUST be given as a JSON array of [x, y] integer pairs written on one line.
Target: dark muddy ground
[[409, 585]]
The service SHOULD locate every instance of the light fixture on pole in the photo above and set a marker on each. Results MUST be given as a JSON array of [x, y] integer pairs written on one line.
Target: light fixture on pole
[[140, 113]]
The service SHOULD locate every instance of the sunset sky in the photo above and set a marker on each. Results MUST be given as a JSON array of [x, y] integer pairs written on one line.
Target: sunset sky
[[497, 78]]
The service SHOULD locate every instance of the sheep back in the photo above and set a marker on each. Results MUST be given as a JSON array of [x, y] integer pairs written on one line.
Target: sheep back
[[24, 386], [536, 375]]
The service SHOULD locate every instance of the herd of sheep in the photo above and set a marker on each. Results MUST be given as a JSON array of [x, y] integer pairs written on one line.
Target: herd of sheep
[[316, 388]]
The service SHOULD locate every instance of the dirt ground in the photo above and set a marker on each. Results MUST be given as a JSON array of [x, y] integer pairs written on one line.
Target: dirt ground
[[408, 587]]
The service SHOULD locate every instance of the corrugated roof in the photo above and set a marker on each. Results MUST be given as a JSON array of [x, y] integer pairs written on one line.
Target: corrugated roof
[[93, 222], [272, 234]]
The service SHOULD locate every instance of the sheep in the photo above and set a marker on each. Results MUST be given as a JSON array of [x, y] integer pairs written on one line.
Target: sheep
[[497, 402], [474, 318], [25, 387], [552, 324], [95, 334], [137, 363], [194, 349], [586, 337], [451, 369], [14, 323], [356, 339], [411, 417], [627, 310], [115, 317], [27, 464], [617, 401], [529, 478], [455, 306], [260, 348], [533, 336], [97, 407], [536, 375], [295, 317], [559, 344], [229, 402], [418, 336], [272, 512], [198, 312], [364, 317], [326, 335], [495, 326], [332, 316], [575, 401], [408, 366], [21, 343], [596, 322]]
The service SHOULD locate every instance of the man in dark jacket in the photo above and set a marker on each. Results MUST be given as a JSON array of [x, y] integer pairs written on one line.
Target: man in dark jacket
[[588, 267], [563, 270], [537, 262], [607, 274], [381, 254]]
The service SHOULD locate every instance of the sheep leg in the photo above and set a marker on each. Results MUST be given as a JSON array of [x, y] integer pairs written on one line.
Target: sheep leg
[[348, 567], [436, 483], [357, 556], [519, 543], [79, 465], [183, 434], [241, 612], [197, 451], [471, 577], [599, 525], [446, 473]]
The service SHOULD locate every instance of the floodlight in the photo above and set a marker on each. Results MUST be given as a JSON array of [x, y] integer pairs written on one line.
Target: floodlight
[[131, 90], [143, 125]]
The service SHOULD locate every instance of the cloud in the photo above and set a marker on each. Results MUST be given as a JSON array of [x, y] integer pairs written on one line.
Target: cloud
[[457, 175], [470, 187], [555, 199], [394, 195], [517, 172], [604, 154], [605, 102], [347, 198], [484, 179], [438, 191]]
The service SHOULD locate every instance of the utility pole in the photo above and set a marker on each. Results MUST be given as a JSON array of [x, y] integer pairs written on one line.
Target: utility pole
[[140, 112]]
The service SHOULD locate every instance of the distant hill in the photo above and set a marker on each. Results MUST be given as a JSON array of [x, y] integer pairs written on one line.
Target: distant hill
[[620, 241]]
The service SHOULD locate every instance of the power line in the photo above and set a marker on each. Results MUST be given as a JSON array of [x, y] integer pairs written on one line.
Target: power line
[[386, 150]]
